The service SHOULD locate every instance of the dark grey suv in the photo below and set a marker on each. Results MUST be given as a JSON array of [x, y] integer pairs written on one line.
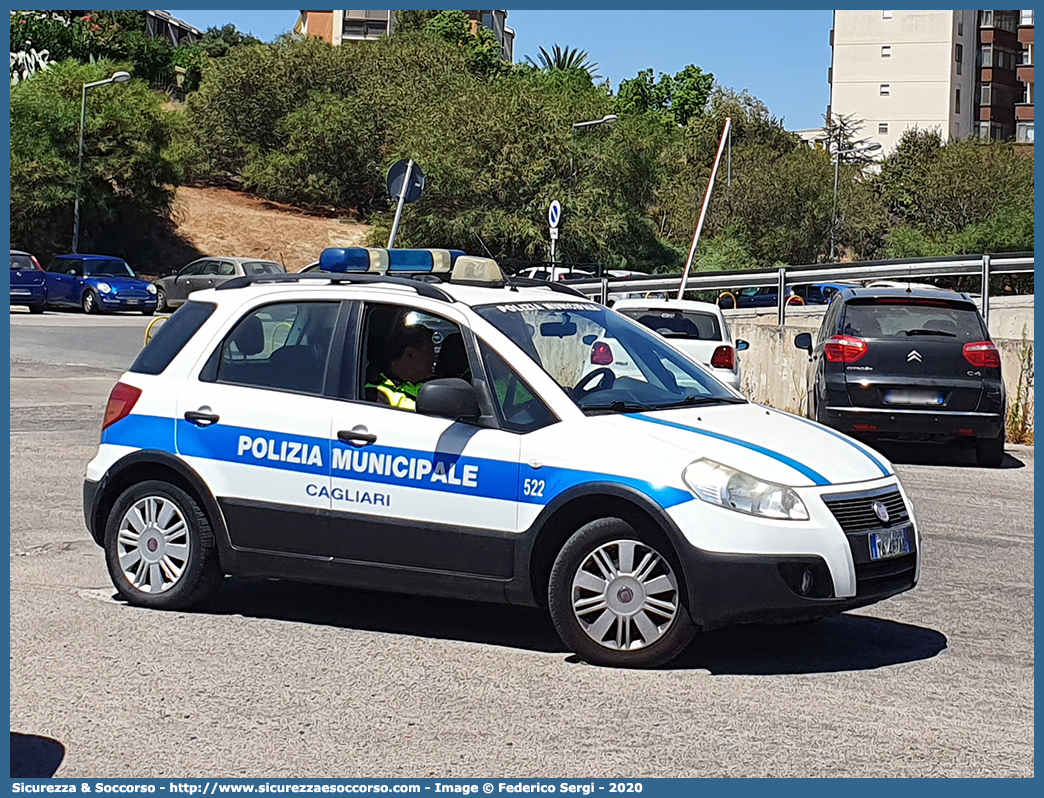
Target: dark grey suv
[[907, 365]]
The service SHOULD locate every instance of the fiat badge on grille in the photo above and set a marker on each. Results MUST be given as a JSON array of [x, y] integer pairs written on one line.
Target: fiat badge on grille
[[881, 511]]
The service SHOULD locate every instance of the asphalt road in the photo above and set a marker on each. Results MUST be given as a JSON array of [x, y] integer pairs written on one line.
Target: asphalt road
[[291, 680]]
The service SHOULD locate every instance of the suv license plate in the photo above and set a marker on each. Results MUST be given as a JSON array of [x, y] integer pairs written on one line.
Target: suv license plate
[[901, 397], [889, 544]]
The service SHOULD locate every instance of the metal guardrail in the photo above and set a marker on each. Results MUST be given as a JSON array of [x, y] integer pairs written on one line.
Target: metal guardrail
[[983, 265]]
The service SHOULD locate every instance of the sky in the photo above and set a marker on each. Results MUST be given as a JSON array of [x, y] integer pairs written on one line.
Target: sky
[[781, 57]]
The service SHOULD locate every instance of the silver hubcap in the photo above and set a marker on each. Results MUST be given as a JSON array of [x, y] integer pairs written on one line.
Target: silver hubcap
[[625, 595], [88, 301], [153, 544]]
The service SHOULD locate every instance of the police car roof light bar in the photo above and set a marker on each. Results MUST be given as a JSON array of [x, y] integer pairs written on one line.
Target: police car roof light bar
[[422, 288]]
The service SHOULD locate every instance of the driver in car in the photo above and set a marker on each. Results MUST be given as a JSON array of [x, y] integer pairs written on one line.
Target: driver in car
[[411, 361]]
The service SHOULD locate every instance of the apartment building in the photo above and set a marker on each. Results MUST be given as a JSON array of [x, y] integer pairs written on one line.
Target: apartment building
[[338, 27], [1024, 74], [903, 69]]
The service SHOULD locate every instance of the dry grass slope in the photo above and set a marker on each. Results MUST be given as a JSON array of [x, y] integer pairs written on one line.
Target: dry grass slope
[[218, 221]]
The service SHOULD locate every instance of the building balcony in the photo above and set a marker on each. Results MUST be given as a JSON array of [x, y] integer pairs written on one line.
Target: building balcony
[[1024, 112], [1025, 73]]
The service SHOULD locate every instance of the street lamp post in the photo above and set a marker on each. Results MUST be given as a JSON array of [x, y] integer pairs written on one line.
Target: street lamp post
[[608, 119], [838, 152], [117, 77]]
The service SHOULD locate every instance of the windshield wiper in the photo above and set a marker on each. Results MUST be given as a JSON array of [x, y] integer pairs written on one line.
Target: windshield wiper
[[931, 332], [692, 401], [615, 407]]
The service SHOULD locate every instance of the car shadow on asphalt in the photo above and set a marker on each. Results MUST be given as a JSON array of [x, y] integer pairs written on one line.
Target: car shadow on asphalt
[[845, 643], [443, 619], [35, 757], [939, 454]]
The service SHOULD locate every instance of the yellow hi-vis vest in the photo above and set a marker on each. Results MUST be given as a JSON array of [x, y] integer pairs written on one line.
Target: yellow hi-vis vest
[[402, 396]]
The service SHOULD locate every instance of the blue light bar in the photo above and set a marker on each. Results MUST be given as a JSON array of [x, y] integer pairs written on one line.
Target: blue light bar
[[350, 259], [410, 260]]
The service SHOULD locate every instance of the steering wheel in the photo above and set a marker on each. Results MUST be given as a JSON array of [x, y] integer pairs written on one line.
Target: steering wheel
[[608, 380]]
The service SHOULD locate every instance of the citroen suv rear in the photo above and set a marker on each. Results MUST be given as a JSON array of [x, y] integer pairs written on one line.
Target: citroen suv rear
[[907, 365]]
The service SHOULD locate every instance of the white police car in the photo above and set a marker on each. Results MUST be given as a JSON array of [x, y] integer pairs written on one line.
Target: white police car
[[638, 508]]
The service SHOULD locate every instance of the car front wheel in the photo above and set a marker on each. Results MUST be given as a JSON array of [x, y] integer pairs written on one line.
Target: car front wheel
[[161, 301], [615, 598], [89, 302], [159, 548]]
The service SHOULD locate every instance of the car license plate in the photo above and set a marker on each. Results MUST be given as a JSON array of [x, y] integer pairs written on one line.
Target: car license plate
[[889, 544], [19, 292], [133, 301], [905, 397]]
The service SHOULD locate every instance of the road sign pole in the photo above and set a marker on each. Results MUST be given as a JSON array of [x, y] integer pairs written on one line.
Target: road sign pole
[[402, 202], [554, 217]]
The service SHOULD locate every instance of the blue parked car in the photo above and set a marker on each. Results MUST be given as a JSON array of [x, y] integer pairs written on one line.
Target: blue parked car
[[98, 284], [28, 284]]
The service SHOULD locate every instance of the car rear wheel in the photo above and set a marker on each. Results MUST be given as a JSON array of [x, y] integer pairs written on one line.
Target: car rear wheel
[[615, 598], [989, 452], [159, 548], [38, 308]]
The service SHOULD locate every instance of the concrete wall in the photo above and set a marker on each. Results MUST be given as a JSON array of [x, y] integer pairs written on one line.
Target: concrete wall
[[775, 371]]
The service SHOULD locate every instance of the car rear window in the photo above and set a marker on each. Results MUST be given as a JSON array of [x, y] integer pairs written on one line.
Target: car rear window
[[910, 318], [677, 323], [261, 267], [22, 262], [171, 337]]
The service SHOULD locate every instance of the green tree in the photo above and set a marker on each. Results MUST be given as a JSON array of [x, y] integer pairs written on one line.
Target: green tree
[[219, 42], [412, 21], [678, 98], [127, 175], [481, 48]]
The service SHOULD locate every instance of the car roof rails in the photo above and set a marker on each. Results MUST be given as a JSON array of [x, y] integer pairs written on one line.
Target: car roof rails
[[424, 289], [529, 282]]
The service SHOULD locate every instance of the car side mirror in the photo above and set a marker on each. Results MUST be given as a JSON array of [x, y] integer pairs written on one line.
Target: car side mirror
[[451, 397], [803, 341], [741, 345]]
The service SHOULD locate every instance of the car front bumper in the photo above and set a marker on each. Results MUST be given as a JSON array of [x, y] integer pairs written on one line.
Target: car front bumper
[[907, 424], [742, 569], [110, 302]]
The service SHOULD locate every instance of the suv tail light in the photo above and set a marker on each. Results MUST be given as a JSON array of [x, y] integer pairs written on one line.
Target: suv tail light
[[121, 402], [601, 354], [983, 354], [724, 357], [845, 349]]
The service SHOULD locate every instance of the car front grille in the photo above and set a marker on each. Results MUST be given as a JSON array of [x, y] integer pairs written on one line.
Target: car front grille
[[856, 514], [857, 518]]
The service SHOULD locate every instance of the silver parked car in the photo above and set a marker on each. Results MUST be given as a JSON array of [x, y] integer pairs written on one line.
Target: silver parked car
[[208, 273]]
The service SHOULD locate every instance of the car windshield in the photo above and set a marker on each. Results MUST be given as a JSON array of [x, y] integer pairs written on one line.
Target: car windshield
[[672, 323], [909, 318], [21, 262], [605, 362], [109, 268]]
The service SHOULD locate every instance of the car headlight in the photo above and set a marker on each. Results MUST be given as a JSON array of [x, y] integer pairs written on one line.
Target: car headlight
[[735, 490], [104, 287], [150, 288]]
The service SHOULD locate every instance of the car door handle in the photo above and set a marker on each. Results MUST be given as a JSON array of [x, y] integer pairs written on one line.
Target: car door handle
[[201, 418], [356, 436]]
